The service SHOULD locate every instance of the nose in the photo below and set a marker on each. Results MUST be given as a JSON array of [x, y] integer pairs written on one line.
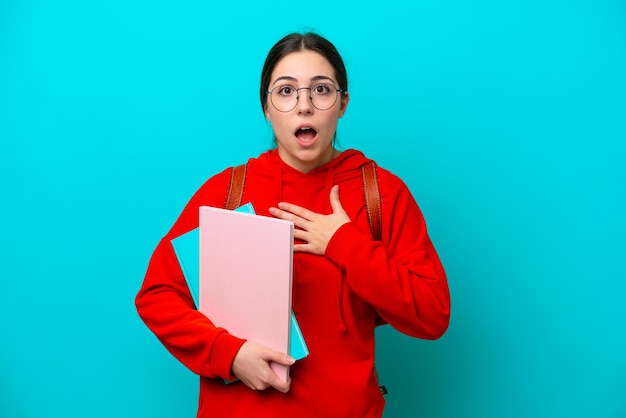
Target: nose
[[304, 98]]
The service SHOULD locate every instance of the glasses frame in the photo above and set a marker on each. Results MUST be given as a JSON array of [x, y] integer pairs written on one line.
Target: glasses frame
[[310, 89]]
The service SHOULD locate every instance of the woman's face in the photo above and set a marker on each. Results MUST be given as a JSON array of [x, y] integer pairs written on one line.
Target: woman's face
[[304, 135]]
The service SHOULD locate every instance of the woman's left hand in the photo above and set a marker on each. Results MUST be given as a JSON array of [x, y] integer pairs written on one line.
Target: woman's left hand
[[314, 229]]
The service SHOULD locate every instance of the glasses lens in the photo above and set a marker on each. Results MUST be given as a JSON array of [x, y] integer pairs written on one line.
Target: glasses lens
[[323, 96], [284, 97]]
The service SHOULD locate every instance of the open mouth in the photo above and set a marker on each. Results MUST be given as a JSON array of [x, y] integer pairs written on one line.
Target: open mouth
[[306, 134]]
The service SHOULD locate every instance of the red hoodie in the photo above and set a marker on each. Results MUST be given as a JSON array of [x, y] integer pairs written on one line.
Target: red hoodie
[[336, 297]]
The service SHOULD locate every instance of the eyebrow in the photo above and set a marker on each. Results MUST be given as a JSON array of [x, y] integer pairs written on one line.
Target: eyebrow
[[293, 79]]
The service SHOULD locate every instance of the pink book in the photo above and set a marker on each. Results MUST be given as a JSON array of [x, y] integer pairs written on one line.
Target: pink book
[[245, 276]]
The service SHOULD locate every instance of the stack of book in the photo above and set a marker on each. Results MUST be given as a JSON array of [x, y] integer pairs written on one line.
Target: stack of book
[[238, 267]]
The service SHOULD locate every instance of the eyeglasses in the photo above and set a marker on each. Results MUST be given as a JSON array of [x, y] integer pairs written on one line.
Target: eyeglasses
[[284, 97]]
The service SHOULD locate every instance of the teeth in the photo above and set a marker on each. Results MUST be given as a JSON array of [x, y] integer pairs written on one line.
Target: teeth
[[305, 128]]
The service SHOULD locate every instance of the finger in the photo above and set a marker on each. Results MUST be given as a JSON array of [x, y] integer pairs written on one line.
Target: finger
[[287, 216], [286, 360], [301, 234], [297, 210], [279, 357], [335, 202], [301, 248], [282, 214], [284, 386], [281, 386]]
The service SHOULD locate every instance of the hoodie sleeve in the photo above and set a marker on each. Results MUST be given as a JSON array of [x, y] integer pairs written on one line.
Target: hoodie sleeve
[[400, 276], [165, 304]]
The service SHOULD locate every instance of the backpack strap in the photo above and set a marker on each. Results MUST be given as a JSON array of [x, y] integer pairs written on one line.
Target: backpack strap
[[372, 199], [372, 203], [235, 189]]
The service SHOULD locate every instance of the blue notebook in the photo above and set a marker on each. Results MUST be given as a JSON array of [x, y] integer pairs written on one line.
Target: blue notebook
[[186, 249]]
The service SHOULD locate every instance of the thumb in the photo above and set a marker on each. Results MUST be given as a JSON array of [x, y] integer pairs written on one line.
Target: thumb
[[280, 358], [335, 203]]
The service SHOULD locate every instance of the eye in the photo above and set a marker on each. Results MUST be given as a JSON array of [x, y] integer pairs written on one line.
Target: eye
[[321, 89], [286, 90]]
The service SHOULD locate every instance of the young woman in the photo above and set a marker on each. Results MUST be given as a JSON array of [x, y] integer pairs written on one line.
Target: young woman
[[344, 281]]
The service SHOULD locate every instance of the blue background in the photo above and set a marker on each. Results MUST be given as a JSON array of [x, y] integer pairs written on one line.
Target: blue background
[[506, 120]]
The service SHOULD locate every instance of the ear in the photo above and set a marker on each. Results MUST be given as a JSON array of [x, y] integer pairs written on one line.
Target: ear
[[267, 113], [345, 98]]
